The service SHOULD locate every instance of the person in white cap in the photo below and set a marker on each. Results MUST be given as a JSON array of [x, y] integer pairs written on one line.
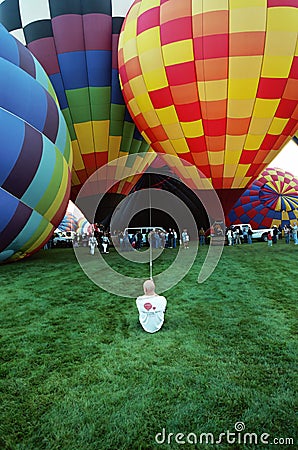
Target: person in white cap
[[151, 307]]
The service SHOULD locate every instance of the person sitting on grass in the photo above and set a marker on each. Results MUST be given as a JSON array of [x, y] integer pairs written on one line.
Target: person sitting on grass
[[151, 307]]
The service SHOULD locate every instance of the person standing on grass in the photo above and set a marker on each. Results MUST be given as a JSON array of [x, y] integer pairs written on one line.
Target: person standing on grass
[[92, 244], [294, 233], [170, 238], [245, 234], [126, 242], [174, 238], [269, 239], [238, 238], [230, 237], [162, 236], [249, 236], [202, 236], [139, 239], [275, 234], [185, 238], [151, 307], [287, 234], [280, 232], [105, 243]]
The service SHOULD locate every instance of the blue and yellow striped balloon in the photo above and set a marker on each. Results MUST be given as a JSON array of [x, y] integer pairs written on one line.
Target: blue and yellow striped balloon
[[35, 153]]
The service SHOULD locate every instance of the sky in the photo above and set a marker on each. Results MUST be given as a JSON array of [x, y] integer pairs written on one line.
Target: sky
[[287, 159], [120, 7]]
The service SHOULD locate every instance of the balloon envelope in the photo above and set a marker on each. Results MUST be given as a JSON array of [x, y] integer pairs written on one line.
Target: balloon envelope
[[35, 153], [83, 226], [215, 83], [272, 199], [68, 223], [76, 43]]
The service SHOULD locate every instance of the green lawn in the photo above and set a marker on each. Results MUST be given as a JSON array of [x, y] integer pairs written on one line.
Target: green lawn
[[78, 372]]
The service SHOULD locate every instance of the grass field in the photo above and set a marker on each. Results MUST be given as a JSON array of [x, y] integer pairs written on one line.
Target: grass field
[[78, 372]]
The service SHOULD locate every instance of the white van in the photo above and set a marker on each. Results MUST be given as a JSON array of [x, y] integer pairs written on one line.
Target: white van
[[63, 238]]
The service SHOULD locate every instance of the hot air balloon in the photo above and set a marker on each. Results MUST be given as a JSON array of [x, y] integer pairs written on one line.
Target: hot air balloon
[[272, 199], [76, 43], [68, 223], [83, 226], [35, 153], [215, 83], [164, 179]]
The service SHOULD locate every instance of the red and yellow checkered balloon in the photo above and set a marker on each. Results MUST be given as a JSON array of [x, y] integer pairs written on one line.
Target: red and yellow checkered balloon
[[214, 82]]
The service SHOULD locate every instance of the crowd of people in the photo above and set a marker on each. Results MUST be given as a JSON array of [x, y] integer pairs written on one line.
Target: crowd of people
[[97, 237], [100, 237], [291, 232], [235, 235], [156, 238]]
